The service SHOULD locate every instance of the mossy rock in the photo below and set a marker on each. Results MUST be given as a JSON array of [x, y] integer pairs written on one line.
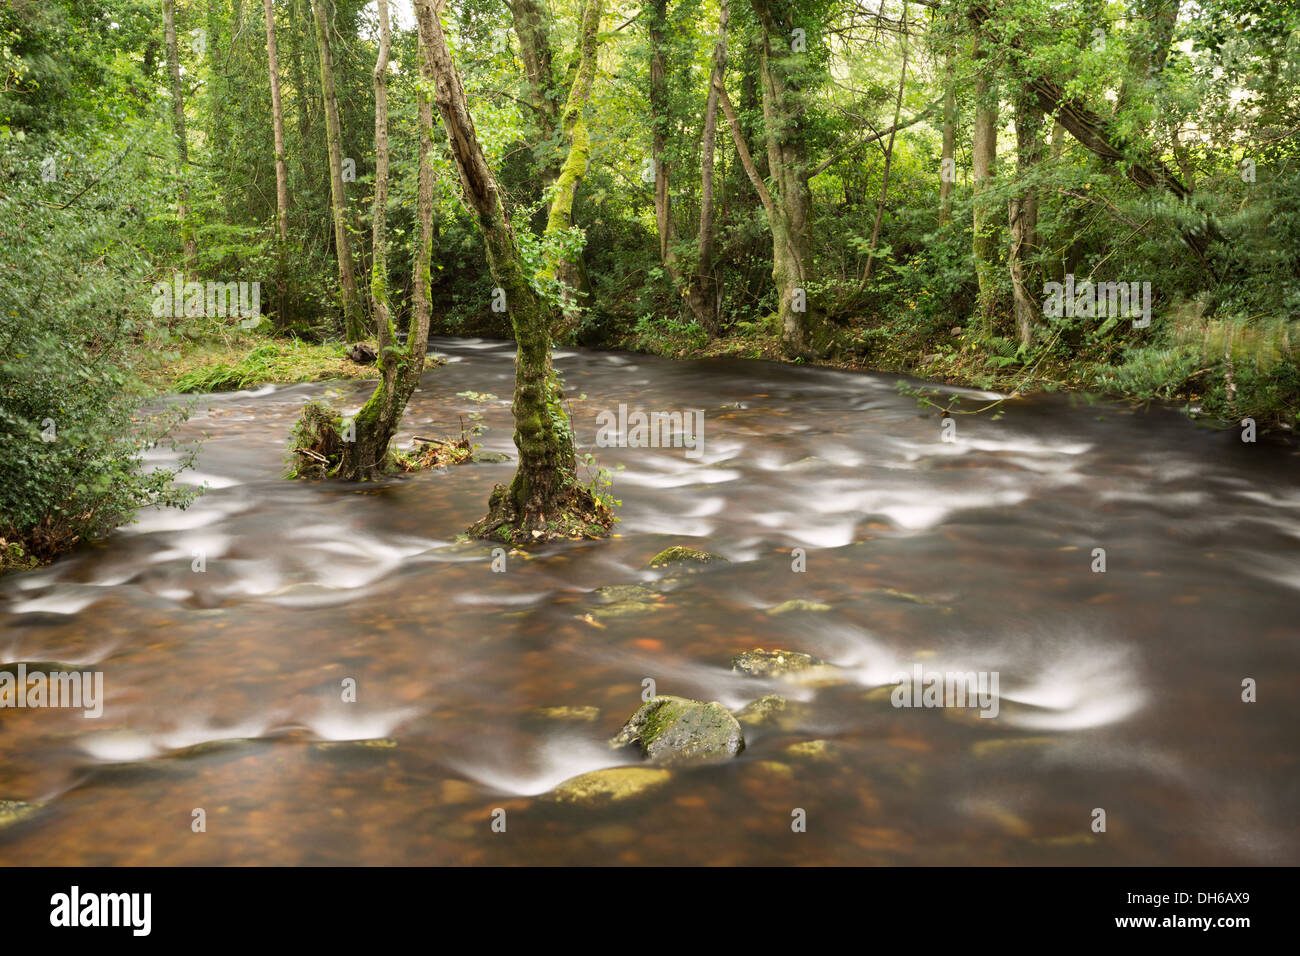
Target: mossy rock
[[671, 729], [678, 556], [15, 811], [761, 663], [612, 785], [488, 457], [785, 607]]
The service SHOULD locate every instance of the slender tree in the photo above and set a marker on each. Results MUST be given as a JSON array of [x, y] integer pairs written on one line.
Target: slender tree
[[984, 152], [400, 364], [354, 326], [189, 244], [281, 168]]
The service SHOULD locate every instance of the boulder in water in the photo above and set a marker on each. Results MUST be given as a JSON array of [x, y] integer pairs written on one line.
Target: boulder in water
[[678, 555], [761, 663], [671, 729]]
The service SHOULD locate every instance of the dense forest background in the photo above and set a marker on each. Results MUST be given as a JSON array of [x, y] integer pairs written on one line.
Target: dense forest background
[[891, 185]]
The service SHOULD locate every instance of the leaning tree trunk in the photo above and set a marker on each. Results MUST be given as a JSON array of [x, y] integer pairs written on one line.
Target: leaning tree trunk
[[354, 327], [545, 499], [1105, 139], [984, 151], [281, 170], [188, 242]]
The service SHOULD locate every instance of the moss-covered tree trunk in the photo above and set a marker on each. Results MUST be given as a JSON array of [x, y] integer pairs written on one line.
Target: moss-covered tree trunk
[[567, 267], [545, 499], [367, 454], [787, 161], [354, 326]]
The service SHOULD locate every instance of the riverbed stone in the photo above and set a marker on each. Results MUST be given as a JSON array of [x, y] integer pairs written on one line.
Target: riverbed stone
[[574, 714], [672, 729], [617, 600], [797, 604], [15, 811], [773, 663], [611, 785], [765, 711], [681, 556]]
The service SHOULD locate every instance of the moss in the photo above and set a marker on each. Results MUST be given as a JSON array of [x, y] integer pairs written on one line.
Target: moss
[[682, 555], [612, 785]]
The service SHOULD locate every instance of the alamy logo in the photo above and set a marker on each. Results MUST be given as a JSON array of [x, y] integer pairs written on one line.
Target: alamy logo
[[74, 908], [923, 688], [181, 299], [652, 430], [75, 689], [1121, 300]]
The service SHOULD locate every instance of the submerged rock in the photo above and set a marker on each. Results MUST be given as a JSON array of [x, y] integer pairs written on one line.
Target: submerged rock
[[612, 785], [488, 457], [676, 729], [797, 604], [678, 555], [14, 811], [585, 715], [761, 663], [617, 600], [762, 712], [811, 750]]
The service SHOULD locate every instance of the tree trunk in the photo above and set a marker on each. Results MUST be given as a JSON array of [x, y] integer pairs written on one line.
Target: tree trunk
[[400, 365], [566, 269], [889, 154], [948, 155], [791, 221], [188, 242], [544, 500], [1023, 218], [354, 326], [984, 150], [531, 23], [702, 293], [698, 288], [281, 169]]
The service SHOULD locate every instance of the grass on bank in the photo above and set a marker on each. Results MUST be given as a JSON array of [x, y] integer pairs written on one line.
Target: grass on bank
[[242, 359]]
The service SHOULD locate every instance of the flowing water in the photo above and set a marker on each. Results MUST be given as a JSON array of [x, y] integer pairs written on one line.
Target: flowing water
[[1119, 691]]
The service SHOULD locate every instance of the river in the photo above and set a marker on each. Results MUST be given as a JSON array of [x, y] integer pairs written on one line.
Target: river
[[1118, 691]]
